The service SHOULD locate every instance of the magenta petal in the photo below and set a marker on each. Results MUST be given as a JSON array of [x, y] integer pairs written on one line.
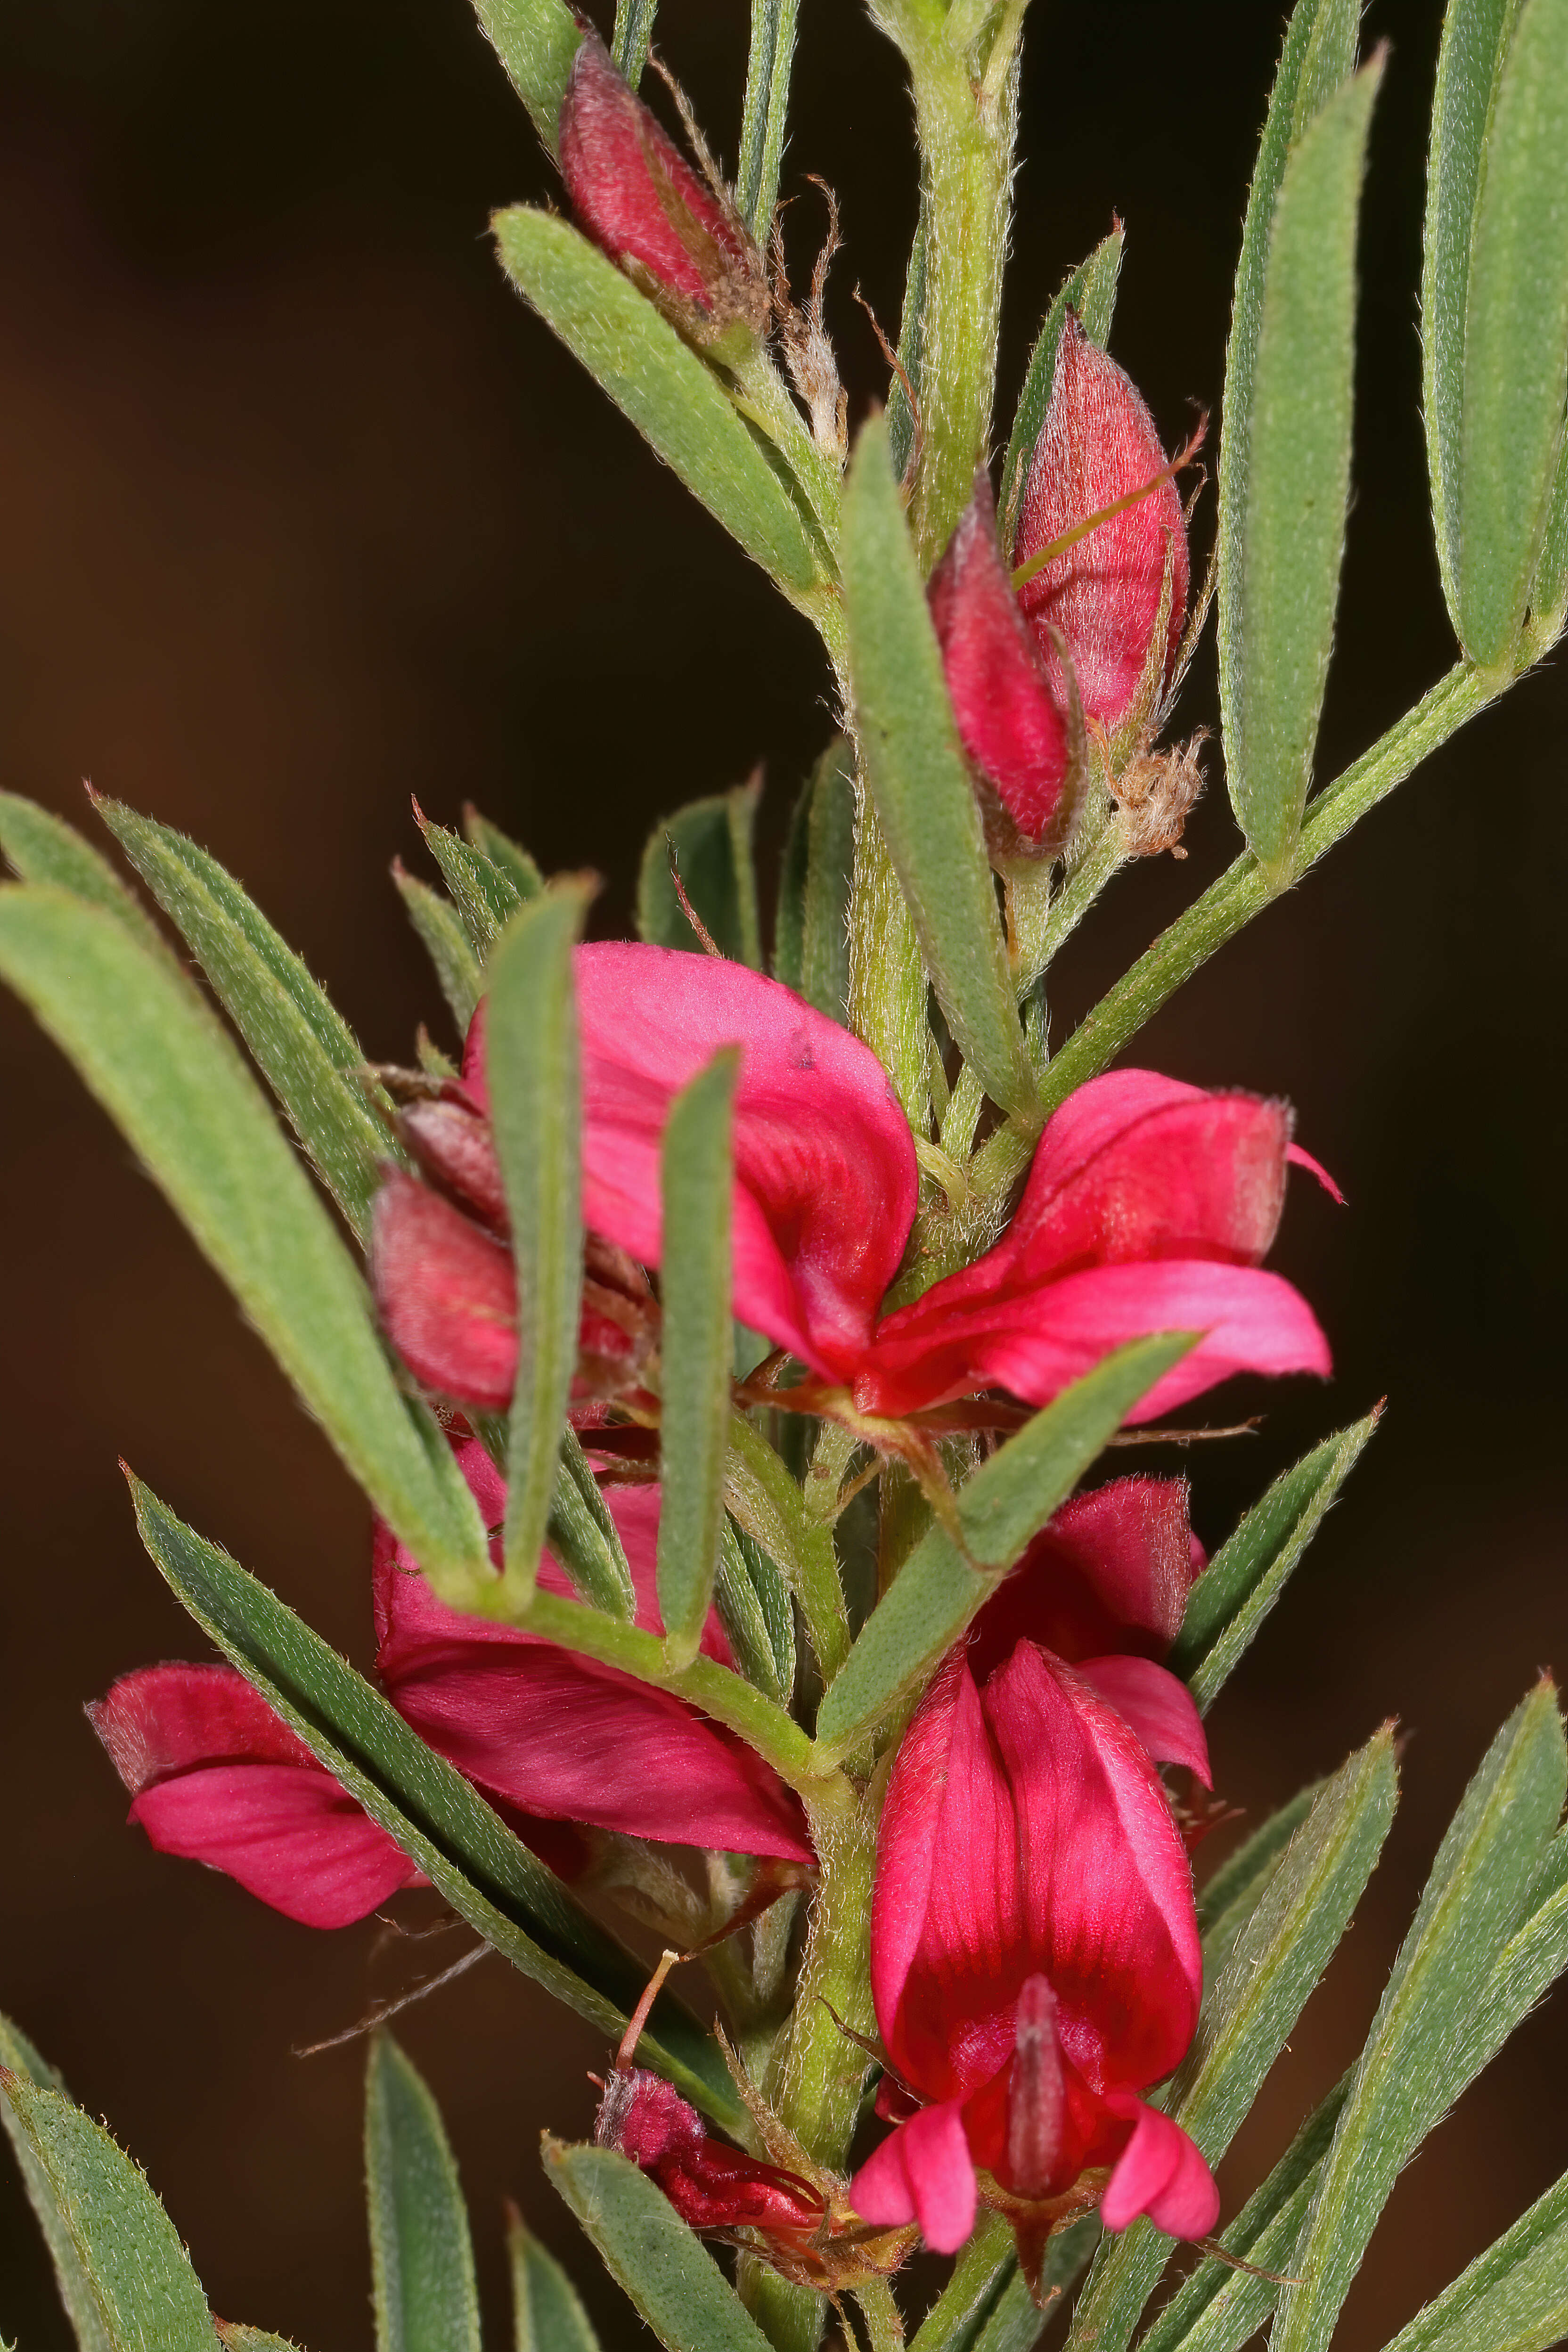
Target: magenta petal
[[1160, 1709], [1161, 2173], [1009, 720], [1036, 1340], [922, 2172], [1110, 1573], [1300, 1158], [825, 1167], [445, 1293], [286, 1832]]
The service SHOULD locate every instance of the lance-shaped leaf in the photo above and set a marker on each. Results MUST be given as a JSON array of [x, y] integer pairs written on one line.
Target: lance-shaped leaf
[[1319, 57], [1512, 2298], [485, 894], [1246, 1575], [695, 1348], [1000, 1509], [911, 335], [236, 2337], [1516, 338], [445, 942], [672, 397], [503, 852], [308, 1055], [765, 1503], [422, 2261], [130, 2277], [585, 1538], [1251, 2007], [546, 2314], [629, 40], [42, 848], [1219, 2309], [488, 1876], [536, 41], [754, 1605], [1283, 587], [1476, 34], [916, 772], [160, 1064], [709, 841], [810, 934], [18, 2057], [1090, 294], [1231, 1896], [765, 111], [531, 1067], [670, 2275], [986, 2305], [1406, 2077]]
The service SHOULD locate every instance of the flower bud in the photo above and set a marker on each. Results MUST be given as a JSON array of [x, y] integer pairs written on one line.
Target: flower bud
[[641, 201], [451, 1144], [1102, 596], [446, 1294], [1009, 719], [710, 2185]]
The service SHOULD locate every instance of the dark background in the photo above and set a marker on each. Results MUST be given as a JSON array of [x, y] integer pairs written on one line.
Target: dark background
[[303, 513]]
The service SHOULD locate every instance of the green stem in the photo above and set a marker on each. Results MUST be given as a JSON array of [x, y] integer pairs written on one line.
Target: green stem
[[1081, 885], [1242, 891], [884, 2323]]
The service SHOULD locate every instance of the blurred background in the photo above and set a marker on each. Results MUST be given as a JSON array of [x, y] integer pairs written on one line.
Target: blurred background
[[304, 514]]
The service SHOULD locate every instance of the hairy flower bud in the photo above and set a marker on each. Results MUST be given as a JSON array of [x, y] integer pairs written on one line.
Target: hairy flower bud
[[641, 201], [712, 2185], [1102, 597], [1010, 720], [451, 1144]]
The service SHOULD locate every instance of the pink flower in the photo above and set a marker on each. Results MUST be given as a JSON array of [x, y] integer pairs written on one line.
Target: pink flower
[[1148, 1207], [1104, 1588], [1102, 596], [553, 1739], [1035, 1964], [641, 201], [1010, 720]]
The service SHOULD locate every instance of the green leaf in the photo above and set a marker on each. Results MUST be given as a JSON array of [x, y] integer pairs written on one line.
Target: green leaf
[[1406, 2077], [633, 32], [1219, 2309], [1246, 1575], [1231, 1896], [1512, 2298], [1549, 595], [126, 2258], [1319, 57], [901, 417], [237, 2338], [531, 1069], [445, 942], [43, 847], [18, 2056], [485, 894], [308, 1055], [1280, 592], [422, 2259], [546, 2314], [753, 1604], [503, 852], [1476, 34], [986, 2305], [1250, 2009], [488, 1875], [1091, 292], [811, 949], [918, 778], [674, 2282], [672, 397], [1000, 1509], [536, 41], [160, 1064], [711, 843], [698, 1182], [585, 1538], [766, 1504], [764, 111], [1516, 340]]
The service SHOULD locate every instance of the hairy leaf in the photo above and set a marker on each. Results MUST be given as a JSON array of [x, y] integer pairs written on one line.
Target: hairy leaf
[[711, 842], [422, 2259], [503, 852], [1512, 2298], [446, 942], [670, 2275], [811, 945], [916, 772], [546, 2314], [697, 1183], [485, 894], [764, 111], [536, 41], [18, 2057], [42, 848]]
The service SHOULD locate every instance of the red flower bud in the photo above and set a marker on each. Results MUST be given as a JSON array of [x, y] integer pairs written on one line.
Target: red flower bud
[[710, 2185], [451, 1143], [446, 1294], [641, 201], [1010, 720], [1101, 596]]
